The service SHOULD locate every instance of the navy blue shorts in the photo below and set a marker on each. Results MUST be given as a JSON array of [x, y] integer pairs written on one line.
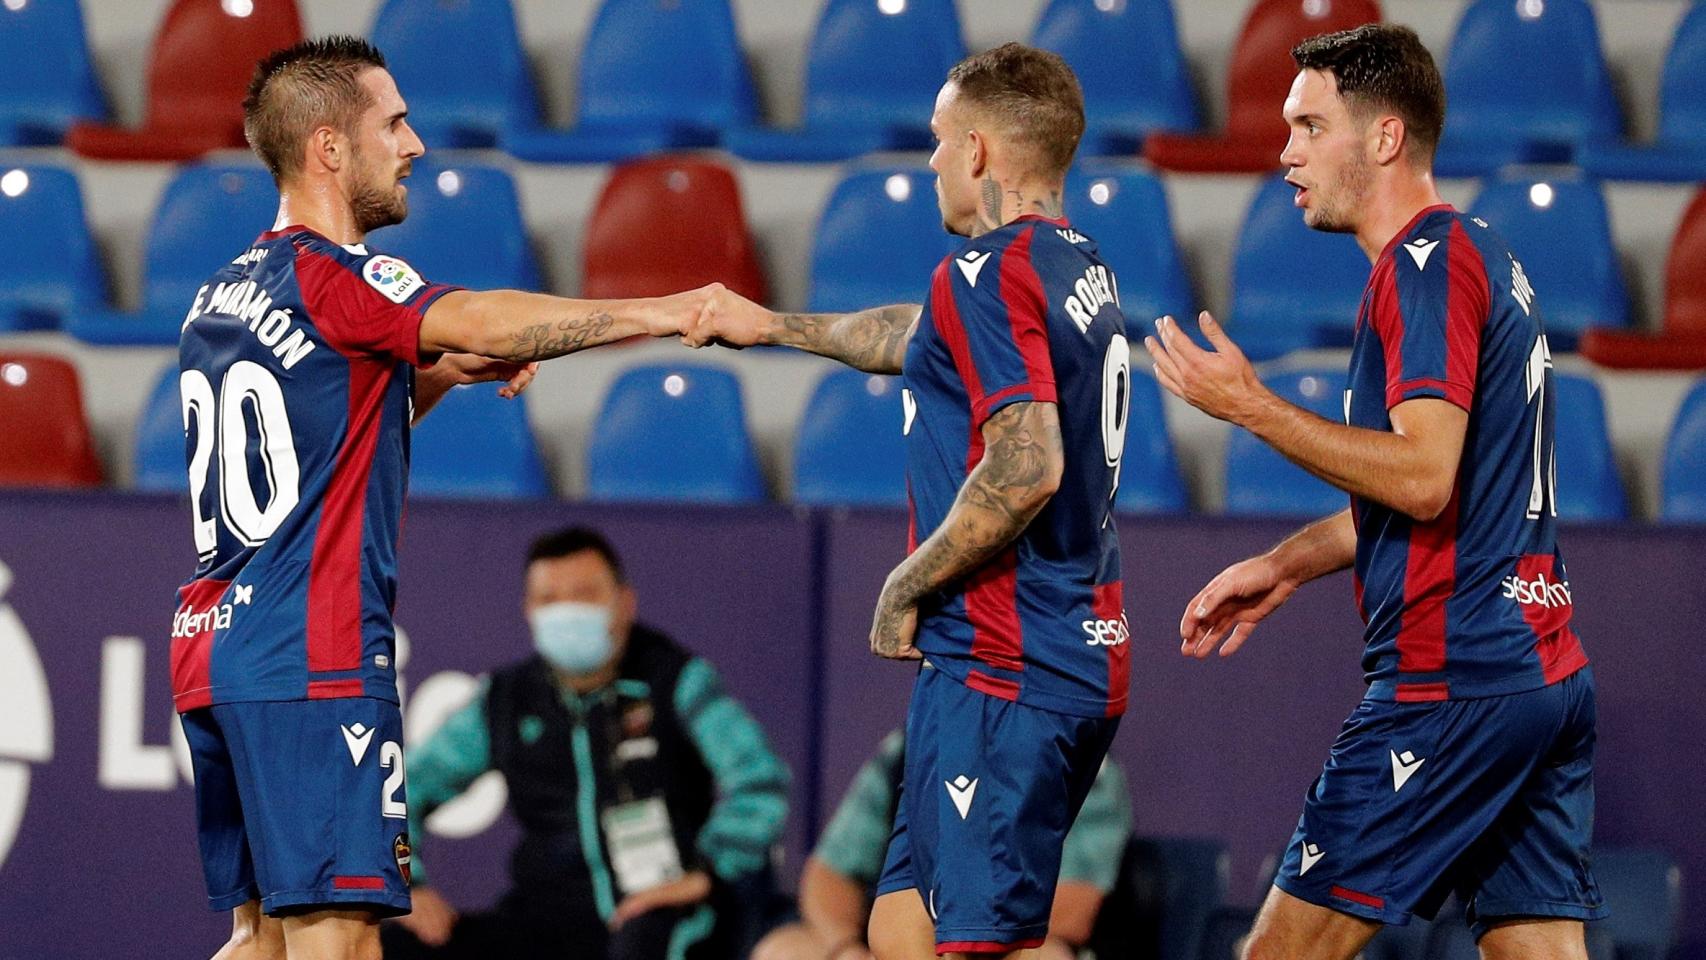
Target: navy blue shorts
[[1491, 799], [300, 804], [989, 791]]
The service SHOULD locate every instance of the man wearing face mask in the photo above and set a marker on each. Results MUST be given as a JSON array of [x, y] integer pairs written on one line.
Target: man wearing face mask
[[646, 795]]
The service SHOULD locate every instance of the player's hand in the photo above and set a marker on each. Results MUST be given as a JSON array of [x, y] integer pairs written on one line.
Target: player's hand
[[469, 368], [676, 314], [1226, 611], [1219, 382], [729, 319], [692, 888], [432, 918], [895, 626]]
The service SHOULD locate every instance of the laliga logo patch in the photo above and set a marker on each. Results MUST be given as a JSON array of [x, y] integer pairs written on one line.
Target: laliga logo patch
[[391, 277], [404, 854], [26, 718]]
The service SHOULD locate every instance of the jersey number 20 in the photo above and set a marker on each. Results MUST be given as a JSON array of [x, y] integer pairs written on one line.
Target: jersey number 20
[[222, 425]]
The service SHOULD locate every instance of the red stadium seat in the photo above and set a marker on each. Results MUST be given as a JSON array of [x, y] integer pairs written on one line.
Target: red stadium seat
[[670, 223], [1682, 344], [1258, 77], [198, 73], [47, 442]]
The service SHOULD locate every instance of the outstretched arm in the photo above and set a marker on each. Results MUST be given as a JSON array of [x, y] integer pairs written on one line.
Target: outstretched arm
[[520, 327], [871, 340], [1021, 468]]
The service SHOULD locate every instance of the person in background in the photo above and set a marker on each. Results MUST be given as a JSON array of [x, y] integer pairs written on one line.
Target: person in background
[[836, 885], [646, 795]]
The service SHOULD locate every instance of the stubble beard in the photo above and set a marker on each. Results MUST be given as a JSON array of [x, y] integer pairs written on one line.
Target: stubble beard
[[1340, 213]]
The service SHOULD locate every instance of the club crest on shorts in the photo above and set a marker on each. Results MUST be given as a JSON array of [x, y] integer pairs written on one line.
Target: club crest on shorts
[[401, 850]]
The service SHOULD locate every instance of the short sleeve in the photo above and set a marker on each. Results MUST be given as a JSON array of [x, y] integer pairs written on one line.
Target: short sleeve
[[1429, 309], [990, 309], [370, 307]]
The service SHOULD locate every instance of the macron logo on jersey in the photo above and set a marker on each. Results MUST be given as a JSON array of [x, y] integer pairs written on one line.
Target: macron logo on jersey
[[972, 264], [1420, 250], [391, 277]]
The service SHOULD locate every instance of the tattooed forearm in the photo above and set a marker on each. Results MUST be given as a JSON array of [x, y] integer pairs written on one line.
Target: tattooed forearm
[[870, 340], [542, 341]]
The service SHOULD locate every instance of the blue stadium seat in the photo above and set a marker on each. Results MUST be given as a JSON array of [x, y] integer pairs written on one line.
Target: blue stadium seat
[[1149, 471], [475, 443], [1292, 287], [673, 432], [1124, 209], [872, 73], [1561, 232], [1588, 488], [461, 66], [208, 214], [159, 455], [464, 227], [1128, 61], [47, 82], [1685, 460], [1261, 482], [1679, 153], [879, 238], [56, 274], [654, 75], [1527, 83], [849, 449], [1643, 888], [1194, 877]]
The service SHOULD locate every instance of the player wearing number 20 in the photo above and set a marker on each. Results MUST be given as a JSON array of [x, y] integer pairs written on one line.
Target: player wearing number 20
[[1468, 766], [1015, 376], [298, 379]]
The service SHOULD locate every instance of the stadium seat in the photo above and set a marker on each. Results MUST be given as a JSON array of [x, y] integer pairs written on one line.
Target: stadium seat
[[872, 73], [158, 459], [47, 82], [849, 450], [666, 224], [461, 67], [1129, 64], [654, 75], [1292, 287], [464, 227], [208, 214], [1643, 888], [1589, 488], [198, 72], [1149, 470], [1685, 460], [1259, 481], [1561, 232], [56, 274], [673, 432], [1124, 209], [1194, 878], [1679, 152], [41, 416], [476, 444], [1527, 83], [1682, 344], [1258, 76], [879, 238]]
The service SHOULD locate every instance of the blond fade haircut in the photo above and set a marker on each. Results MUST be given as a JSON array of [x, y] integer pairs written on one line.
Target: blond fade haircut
[[1030, 94], [301, 88]]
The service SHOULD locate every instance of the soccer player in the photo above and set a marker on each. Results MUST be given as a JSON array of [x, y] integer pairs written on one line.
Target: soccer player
[[1468, 766], [298, 384], [1015, 375]]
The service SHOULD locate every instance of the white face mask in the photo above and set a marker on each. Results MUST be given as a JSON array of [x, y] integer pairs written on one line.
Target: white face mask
[[573, 637]]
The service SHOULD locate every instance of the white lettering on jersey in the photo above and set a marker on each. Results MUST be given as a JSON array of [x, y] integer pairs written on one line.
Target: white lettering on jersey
[[1107, 633], [1072, 236], [393, 278], [254, 255], [246, 302], [1539, 592], [1089, 294]]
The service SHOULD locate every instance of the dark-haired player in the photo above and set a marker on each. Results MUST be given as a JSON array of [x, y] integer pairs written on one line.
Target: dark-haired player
[[1468, 767], [298, 380], [1016, 375]]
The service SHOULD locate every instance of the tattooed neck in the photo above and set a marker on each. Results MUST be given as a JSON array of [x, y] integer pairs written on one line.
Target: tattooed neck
[[998, 206]]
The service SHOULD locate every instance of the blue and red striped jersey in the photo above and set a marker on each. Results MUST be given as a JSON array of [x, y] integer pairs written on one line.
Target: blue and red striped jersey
[[1476, 602], [296, 374], [1030, 313]]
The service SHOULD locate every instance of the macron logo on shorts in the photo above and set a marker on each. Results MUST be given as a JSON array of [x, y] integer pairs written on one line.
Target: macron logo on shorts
[[961, 790], [1310, 856], [357, 737], [1404, 766]]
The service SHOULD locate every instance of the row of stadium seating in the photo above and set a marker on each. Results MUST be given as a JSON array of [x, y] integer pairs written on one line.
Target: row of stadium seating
[[1527, 81], [679, 432], [878, 227]]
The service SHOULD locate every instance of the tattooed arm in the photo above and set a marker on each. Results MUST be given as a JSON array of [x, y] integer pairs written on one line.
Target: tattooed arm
[[871, 340], [1021, 468], [519, 327]]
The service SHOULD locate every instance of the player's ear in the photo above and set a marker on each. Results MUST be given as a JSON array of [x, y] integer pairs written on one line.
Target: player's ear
[[327, 149], [1390, 136], [977, 154]]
